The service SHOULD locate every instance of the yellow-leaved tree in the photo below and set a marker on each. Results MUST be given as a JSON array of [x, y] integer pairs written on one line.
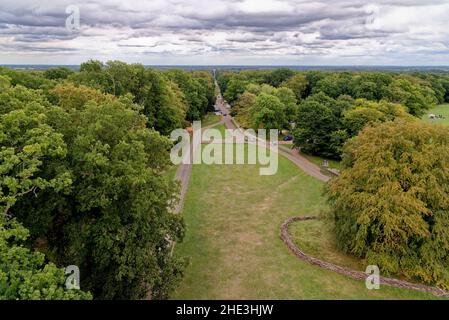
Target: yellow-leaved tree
[[390, 205]]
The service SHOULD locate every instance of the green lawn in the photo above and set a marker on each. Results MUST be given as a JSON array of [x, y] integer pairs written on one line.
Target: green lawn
[[315, 237], [442, 109], [319, 161], [209, 119], [171, 172], [221, 127], [233, 216]]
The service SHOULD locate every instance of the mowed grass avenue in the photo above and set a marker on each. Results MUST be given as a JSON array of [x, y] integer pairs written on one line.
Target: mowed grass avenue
[[233, 217]]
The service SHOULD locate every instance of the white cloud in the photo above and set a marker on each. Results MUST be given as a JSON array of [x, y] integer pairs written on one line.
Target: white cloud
[[228, 32]]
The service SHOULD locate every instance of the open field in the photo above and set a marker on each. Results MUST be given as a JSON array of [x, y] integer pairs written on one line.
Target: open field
[[319, 161], [233, 217], [316, 159], [315, 237], [442, 109], [209, 119], [221, 127]]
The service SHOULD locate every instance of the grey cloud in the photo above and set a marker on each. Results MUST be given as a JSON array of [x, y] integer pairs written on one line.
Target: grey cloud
[[224, 28]]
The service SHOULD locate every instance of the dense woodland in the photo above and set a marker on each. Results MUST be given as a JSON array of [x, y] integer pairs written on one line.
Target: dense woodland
[[84, 158], [83, 178], [325, 109]]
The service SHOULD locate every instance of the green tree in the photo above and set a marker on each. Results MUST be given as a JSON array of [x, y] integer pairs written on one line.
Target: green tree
[[31, 79], [278, 76], [333, 85], [58, 73], [390, 203], [365, 112], [243, 107], [371, 85], [235, 87], [288, 99], [195, 94], [161, 99], [314, 126], [208, 84], [415, 97], [27, 143], [27, 140], [268, 112], [91, 66], [24, 275], [5, 82], [163, 102], [92, 74], [99, 195], [298, 84]]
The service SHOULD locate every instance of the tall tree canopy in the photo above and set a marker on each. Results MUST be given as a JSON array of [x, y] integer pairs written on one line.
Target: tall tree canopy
[[30, 156], [298, 84], [390, 203], [267, 112], [196, 95], [87, 177], [24, 275], [415, 96]]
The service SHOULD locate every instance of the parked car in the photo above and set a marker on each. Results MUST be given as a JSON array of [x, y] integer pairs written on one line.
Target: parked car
[[288, 138]]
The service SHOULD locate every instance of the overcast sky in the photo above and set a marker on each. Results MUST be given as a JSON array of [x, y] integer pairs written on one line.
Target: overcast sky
[[242, 32]]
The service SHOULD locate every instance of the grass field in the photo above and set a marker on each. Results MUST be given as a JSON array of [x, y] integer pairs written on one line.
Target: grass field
[[442, 109], [233, 217], [209, 119], [221, 128], [319, 161], [316, 238]]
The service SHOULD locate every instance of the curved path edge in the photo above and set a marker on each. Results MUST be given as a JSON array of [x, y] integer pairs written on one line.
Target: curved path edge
[[358, 275]]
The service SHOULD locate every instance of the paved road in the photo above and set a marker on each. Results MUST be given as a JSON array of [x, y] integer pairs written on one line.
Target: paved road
[[224, 108], [183, 174]]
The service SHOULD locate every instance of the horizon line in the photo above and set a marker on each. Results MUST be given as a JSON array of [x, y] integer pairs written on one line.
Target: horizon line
[[236, 65]]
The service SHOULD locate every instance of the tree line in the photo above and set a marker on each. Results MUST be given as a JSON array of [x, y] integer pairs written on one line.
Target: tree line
[[83, 178], [324, 109]]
